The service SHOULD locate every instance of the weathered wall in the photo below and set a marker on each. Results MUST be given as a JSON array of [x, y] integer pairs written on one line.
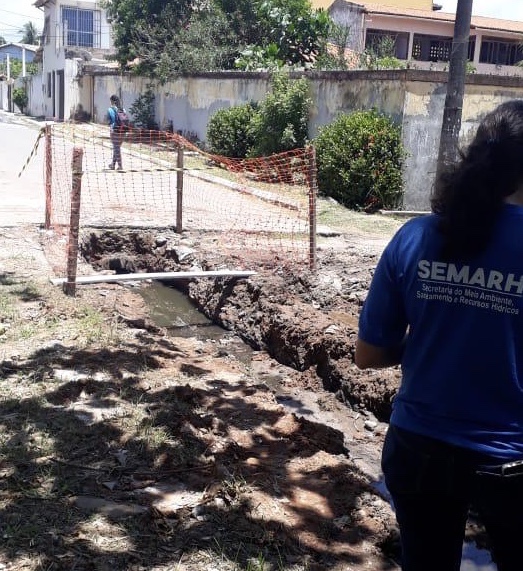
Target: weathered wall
[[187, 102], [4, 99], [37, 102], [413, 98], [351, 17], [422, 118]]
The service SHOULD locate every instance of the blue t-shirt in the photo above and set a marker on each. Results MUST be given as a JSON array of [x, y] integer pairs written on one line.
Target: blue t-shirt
[[463, 361], [111, 116]]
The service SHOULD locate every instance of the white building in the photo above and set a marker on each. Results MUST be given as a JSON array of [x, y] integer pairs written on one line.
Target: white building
[[422, 35], [75, 32]]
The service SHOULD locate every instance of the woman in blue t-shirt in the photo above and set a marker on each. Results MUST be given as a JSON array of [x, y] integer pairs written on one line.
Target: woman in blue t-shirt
[[446, 302], [115, 133]]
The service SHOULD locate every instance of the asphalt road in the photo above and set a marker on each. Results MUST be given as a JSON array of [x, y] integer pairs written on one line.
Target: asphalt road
[[22, 198]]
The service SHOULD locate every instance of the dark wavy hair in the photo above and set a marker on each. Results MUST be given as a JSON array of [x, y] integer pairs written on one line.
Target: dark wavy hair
[[469, 196], [115, 100]]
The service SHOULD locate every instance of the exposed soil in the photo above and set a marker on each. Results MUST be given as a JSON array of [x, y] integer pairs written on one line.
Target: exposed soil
[[302, 326], [127, 448]]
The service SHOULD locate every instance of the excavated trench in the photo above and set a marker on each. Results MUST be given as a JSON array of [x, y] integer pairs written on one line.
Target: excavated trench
[[304, 320]]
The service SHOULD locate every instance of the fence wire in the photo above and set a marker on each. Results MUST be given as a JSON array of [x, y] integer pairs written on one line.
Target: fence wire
[[261, 210]]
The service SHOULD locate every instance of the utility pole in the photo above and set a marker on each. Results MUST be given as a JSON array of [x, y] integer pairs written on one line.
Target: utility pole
[[450, 128]]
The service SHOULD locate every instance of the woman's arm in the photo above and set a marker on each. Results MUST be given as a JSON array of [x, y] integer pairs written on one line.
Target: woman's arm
[[370, 356]]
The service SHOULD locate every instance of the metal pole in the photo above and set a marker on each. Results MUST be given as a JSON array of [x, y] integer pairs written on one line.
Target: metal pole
[[451, 126], [74, 225]]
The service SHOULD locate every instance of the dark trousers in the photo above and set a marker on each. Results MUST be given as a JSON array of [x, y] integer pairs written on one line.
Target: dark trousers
[[116, 140], [433, 485]]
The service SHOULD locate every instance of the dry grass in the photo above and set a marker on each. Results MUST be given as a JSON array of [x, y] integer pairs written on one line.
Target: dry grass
[[91, 417]]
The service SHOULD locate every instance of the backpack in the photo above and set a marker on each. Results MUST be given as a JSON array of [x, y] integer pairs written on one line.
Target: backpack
[[121, 121]]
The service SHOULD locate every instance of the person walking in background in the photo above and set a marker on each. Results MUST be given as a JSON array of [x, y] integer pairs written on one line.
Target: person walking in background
[[115, 132], [446, 302]]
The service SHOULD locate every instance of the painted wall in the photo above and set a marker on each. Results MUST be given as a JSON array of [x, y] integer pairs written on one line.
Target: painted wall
[[351, 17], [415, 4], [413, 98], [16, 52], [36, 91], [316, 4], [422, 118], [4, 96], [187, 102]]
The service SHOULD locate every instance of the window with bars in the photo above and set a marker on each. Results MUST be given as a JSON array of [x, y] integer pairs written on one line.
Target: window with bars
[[500, 52], [375, 40], [436, 48], [46, 34], [81, 27], [431, 48]]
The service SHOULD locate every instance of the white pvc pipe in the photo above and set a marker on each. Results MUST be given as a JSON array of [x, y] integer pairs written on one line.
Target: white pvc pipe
[[102, 278]]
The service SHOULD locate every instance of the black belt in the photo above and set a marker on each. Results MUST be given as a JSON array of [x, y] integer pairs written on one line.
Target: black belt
[[502, 470]]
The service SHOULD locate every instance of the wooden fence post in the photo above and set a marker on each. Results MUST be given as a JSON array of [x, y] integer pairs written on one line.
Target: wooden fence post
[[313, 193], [179, 190], [74, 224], [48, 176]]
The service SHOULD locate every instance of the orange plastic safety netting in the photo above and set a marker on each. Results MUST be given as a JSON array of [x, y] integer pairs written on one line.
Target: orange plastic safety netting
[[261, 210]]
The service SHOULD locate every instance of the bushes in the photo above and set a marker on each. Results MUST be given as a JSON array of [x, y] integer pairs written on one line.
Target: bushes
[[228, 131], [360, 158], [279, 123], [142, 110], [20, 98]]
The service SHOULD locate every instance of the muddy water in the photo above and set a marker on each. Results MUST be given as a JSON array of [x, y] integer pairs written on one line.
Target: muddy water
[[171, 309]]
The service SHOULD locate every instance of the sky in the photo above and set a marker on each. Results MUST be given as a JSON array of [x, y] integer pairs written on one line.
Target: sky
[[14, 14], [504, 9]]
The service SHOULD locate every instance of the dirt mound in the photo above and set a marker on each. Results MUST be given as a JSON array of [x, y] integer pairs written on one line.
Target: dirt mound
[[126, 448]]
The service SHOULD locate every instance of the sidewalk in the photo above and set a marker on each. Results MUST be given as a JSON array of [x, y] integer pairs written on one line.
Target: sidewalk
[[22, 198]]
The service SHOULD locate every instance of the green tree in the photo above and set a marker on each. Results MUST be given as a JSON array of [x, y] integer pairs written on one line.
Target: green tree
[[16, 66], [243, 20], [295, 27], [166, 38], [282, 118], [134, 20], [30, 34], [2, 41], [204, 43], [333, 53], [20, 98]]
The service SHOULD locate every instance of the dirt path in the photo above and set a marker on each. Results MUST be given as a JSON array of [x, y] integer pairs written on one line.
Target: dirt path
[[111, 427], [124, 447]]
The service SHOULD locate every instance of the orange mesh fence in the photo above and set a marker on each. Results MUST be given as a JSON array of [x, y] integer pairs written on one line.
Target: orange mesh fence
[[261, 211]]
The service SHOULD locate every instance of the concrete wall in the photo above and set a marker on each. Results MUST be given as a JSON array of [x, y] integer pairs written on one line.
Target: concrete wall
[[4, 96], [36, 94], [413, 98], [351, 17], [16, 52], [416, 4], [422, 118], [187, 102]]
